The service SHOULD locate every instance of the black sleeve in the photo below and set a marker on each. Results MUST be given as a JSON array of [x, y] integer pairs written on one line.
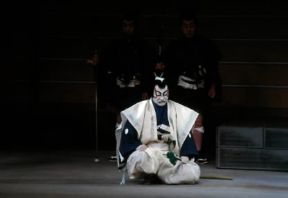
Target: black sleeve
[[189, 148], [129, 142]]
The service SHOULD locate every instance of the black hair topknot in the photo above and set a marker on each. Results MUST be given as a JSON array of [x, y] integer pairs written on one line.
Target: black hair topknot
[[161, 82]]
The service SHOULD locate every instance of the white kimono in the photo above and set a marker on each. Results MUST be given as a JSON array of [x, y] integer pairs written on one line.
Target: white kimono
[[153, 159]]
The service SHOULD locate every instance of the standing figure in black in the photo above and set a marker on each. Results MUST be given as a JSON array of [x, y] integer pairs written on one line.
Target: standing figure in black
[[192, 67], [127, 68]]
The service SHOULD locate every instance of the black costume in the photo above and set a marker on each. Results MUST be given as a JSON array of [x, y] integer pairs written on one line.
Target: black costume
[[192, 68], [128, 65]]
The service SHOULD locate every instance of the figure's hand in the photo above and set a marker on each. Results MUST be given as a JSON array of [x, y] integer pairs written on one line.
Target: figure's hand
[[142, 147], [145, 96], [93, 60], [212, 91]]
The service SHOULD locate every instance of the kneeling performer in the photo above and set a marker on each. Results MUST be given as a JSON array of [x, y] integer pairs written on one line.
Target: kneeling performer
[[156, 139]]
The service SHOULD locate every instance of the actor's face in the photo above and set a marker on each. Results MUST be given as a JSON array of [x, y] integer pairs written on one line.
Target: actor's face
[[188, 28], [160, 96], [128, 27]]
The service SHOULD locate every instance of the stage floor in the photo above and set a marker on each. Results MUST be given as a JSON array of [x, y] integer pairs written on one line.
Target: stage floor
[[74, 173]]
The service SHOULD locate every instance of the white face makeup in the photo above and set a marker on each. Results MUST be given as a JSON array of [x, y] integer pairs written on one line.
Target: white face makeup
[[160, 95]]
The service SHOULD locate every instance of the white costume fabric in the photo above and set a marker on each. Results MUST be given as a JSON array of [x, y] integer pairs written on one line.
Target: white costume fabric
[[153, 159]]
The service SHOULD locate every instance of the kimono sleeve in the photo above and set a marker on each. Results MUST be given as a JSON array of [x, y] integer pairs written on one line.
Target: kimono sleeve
[[129, 142]]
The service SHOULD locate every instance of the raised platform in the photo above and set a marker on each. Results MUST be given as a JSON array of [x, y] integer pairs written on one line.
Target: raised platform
[[252, 145]]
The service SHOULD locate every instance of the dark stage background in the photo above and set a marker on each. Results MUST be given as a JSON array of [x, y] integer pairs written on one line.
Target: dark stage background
[[50, 94]]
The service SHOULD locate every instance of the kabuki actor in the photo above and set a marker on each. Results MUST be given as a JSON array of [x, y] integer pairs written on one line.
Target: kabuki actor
[[156, 139]]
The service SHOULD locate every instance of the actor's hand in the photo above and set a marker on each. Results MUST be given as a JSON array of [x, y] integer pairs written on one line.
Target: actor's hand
[[167, 138], [142, 147], [184, 159]]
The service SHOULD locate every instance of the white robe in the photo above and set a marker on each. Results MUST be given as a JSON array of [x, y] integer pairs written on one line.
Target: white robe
[[153, 160]]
